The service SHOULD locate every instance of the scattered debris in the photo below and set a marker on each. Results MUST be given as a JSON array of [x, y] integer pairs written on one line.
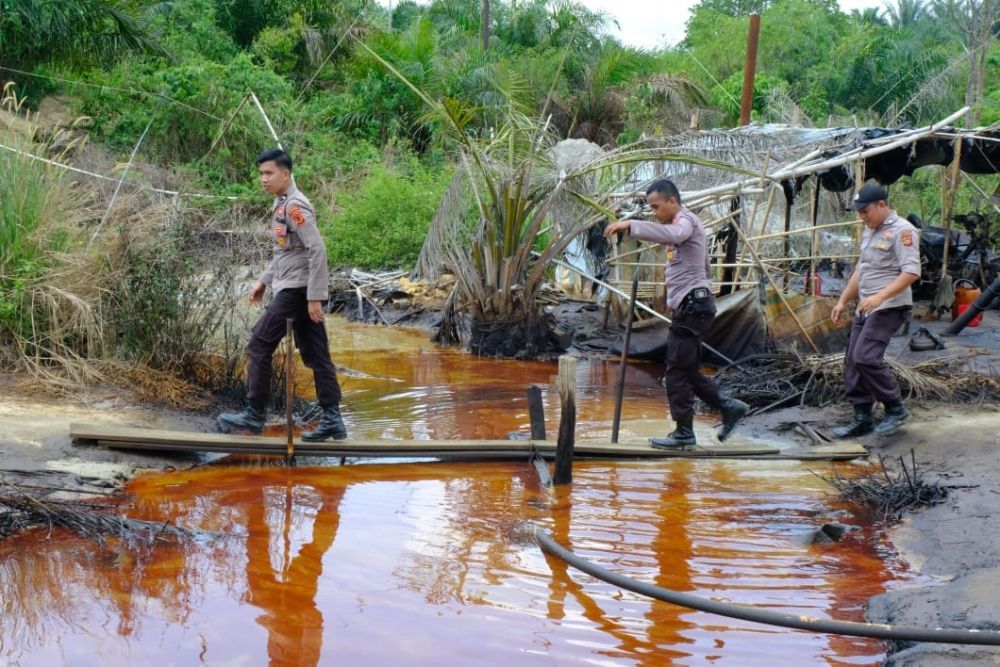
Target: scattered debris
[[889, 494], [768, 381], [25, 507]]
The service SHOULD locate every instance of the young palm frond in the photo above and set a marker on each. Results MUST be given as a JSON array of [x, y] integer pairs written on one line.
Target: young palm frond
[[495, 246]]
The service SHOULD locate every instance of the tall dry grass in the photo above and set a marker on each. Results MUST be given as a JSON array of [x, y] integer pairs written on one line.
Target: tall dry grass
[[154, 302]]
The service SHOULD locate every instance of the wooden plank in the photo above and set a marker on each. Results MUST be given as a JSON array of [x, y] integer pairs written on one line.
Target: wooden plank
[[126, 437]]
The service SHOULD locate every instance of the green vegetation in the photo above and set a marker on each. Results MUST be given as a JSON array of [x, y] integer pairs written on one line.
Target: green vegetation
[[379, 109]]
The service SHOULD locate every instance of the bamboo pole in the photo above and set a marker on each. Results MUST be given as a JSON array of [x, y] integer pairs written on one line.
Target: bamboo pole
[[814, 243], [649, 246], [289, 389], [225, 128], [781, 296], [877, 147], [859, 179], [803, 230], [118, 187], [947, 208], [640, 305]]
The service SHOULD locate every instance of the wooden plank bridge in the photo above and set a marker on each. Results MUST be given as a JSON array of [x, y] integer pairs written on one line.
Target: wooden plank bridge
[[132, 438]]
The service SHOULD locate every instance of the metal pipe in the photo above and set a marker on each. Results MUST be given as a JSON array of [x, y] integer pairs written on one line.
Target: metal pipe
[[620, 391], [981, 304], [756, 615]]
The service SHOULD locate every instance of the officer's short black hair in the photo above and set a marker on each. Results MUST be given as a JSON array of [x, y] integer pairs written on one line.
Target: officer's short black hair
[[665, 189], [278, 156]]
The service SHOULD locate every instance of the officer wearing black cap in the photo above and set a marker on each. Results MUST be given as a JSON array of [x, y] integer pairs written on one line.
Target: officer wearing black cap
[[888, 265]]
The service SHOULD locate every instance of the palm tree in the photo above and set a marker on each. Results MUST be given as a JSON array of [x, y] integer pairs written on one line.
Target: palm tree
[[494, 241], [83, 31], [868, 16], [906, 13]]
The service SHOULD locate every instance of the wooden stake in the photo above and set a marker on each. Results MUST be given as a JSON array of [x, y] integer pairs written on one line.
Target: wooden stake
[[536, 410], [567, 420], [620, 392], [947, 208], [289, 422]]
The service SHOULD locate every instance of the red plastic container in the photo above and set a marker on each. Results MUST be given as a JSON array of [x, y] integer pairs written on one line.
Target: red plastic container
[[961, 308]]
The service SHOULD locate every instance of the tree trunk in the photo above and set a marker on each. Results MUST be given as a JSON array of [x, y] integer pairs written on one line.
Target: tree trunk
[[486, 24]]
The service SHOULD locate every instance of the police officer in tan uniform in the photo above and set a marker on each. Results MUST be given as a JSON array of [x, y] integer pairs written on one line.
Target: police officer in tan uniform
[[689, 297], [298, 276], [889, 264]]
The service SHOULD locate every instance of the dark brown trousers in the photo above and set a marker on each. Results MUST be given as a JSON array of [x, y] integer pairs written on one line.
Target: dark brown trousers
[[684, 380], [866, 377], [310, 338]]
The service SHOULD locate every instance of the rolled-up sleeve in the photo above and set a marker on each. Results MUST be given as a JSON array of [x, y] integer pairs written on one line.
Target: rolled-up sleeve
[[678, 231], [304, 221], [908, 251]]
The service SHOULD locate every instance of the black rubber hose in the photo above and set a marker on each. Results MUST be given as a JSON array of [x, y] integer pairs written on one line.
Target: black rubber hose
[[808, 623]]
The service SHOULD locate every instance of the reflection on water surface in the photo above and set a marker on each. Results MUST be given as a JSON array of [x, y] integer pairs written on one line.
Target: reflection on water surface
[[425, 563]]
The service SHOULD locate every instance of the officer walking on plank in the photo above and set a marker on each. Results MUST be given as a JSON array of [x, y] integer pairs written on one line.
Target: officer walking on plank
[[298, 276], [689, 297], [889, 264]]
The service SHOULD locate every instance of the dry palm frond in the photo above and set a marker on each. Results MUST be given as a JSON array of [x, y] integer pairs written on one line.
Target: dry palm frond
[[23, 509], [889, 494], [776, 380]]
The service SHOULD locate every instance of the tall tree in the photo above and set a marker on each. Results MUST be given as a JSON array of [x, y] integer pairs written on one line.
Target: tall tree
[[976, 19]]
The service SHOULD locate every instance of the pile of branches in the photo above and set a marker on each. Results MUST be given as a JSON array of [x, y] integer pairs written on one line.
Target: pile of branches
[[889, 494], [23, 508], [768, 381]]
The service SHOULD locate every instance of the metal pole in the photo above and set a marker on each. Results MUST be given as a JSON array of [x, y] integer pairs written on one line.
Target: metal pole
[[750, 69], [289, 422], [620, 392]]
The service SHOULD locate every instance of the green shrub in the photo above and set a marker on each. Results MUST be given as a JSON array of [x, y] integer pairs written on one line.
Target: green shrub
[[383, 221]]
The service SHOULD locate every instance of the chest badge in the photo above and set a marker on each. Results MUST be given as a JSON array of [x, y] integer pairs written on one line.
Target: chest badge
[[281, 234]]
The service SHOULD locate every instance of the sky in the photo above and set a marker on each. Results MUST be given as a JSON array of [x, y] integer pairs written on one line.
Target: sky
[[640, 27]]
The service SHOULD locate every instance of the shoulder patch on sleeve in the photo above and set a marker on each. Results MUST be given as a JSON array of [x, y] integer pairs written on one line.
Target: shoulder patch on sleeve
[[297, 215], [906, 237]]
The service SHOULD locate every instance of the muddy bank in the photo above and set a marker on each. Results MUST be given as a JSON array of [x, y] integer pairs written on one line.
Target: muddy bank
[[34, 438], [954, 543]]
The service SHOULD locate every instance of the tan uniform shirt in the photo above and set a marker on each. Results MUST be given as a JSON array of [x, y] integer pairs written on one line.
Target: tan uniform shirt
[[687, 254], [299, 253], [887, 251]]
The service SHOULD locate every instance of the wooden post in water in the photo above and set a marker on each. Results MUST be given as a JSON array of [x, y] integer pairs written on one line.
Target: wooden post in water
[[623, 364], [536, 410], [289, 422], [567, 421]]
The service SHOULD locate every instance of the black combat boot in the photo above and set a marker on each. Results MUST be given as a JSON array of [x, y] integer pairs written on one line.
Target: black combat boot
[[330, 426], [861, 424], [683, 436], [251, 419], [732, 411], [895, 415]]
